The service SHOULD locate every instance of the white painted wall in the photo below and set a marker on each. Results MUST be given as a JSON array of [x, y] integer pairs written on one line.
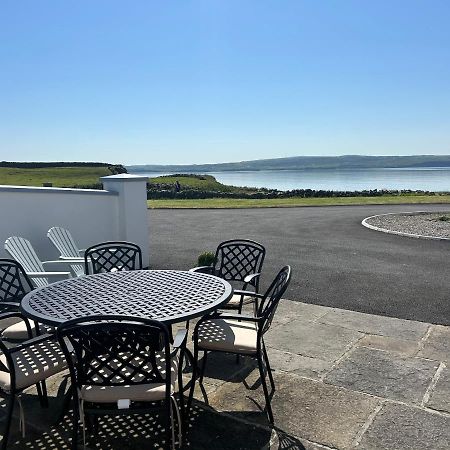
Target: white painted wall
[[92, 216]]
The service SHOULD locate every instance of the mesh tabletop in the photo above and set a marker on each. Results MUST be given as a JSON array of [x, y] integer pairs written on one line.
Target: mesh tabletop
[[166, 295]]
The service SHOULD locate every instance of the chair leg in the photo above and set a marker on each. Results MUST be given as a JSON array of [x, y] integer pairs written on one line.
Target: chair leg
[[76, 414], [40, 394], [44, 394], [194, 378], [8, 419], [269, 369], [181, 395], [169, 427], [202, 373], [264, 385]]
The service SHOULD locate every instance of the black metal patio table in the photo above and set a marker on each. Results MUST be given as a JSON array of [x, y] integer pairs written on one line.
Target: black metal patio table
[[169, 296]]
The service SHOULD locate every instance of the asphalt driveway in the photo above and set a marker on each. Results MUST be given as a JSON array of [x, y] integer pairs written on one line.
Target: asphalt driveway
[[335, 260]]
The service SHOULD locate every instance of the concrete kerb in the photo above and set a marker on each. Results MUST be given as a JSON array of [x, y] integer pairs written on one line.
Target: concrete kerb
[[400, 233]]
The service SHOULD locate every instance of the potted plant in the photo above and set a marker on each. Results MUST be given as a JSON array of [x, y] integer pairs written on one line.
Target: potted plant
[[206, 259]]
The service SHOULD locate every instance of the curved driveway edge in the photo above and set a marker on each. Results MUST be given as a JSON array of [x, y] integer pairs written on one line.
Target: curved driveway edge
[[336, 262], [401, 233]]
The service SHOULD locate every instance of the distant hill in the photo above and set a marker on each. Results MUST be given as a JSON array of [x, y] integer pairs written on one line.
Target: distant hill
[[305, 162]]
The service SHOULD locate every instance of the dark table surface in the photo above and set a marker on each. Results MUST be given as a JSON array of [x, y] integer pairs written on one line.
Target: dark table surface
[[170, 296]]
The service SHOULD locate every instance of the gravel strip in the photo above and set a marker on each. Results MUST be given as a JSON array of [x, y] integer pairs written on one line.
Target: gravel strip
[[424, 224]]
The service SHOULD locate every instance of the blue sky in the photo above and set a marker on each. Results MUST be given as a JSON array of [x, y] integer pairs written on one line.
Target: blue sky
[[213, 81]]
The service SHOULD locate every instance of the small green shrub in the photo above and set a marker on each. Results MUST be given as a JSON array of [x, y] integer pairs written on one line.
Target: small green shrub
[[444, 218], [206, 259]]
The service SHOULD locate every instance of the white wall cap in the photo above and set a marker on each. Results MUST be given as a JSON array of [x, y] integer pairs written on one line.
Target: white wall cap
[[53, 190], [124, 177]]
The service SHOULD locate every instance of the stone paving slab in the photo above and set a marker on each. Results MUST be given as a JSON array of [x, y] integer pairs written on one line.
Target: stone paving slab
[[399, 427], [384, 374], [298, 364], [440, 397], [390, 344], [370, 324], [302, 407], [288, 311], [344, 380], [312, 339], [437, 344]]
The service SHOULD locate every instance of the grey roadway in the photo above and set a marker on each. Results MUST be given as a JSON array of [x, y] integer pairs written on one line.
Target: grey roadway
[[336, 261]]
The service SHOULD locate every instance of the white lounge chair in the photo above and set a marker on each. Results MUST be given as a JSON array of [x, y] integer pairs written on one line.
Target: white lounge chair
[[23, 252], [68, 249]]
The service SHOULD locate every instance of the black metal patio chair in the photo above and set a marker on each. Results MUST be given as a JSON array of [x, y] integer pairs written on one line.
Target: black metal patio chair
[[14, 285], [123, 365], [29, 363], [238, 261], [241, 335], [112, 256]]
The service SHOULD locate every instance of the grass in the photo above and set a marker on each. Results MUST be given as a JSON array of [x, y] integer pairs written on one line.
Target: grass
[[295, 201], [200, 182], [59, 176], [443, 219]]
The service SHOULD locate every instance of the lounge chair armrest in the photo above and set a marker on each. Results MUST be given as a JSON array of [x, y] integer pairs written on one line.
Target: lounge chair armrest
[[68, 259], [62, 275], [63, 260], [180, 339], [250, 278], [203, 269]]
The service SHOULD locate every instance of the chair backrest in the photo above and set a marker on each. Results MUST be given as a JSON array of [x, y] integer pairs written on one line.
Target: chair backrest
[[116, 350], [23, 252], [235, 259], [14, 283], [269, 303], [63, 241], [112, 257]]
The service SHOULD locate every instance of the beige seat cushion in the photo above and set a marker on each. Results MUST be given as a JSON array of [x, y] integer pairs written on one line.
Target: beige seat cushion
[[228, 335], [33, 364], [139, 392], [235, 300], [18, 331]]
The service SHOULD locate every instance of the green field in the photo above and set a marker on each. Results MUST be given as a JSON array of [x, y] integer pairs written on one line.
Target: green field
[[201, 182], [296, 201], [59, 176]]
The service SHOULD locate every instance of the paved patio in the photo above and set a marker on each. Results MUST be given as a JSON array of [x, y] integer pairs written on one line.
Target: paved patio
[[345, 380]]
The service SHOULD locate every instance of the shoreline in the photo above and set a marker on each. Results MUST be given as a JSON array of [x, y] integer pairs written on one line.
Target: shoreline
[[297, 202]]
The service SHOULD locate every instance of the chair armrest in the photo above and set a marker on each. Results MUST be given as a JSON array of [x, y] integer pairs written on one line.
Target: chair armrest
[[240, 317], [30, 342], [19, 315], [180, 338], [250, 278], [49, 274], [248, 293], [203, 269], [9, 314], [12, 304]]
